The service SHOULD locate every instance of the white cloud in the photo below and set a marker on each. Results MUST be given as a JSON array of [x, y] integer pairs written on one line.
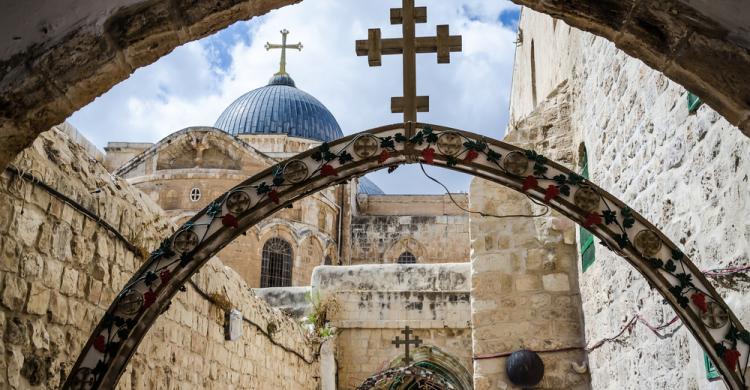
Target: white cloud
[[189, 88]]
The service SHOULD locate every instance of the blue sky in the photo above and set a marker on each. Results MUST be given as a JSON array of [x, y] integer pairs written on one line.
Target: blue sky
[[192, 85]]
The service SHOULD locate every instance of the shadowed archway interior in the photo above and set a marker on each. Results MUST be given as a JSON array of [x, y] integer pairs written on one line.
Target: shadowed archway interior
[[620, 228]]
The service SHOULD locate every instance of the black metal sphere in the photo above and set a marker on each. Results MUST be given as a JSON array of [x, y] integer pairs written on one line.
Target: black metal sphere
[[524, 368]]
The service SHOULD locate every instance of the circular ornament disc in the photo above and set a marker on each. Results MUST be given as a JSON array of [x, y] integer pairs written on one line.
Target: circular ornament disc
[[647, 242], [295, 171], [516, 163], [84, 379], [185, 241], [238, 202], [587, 199], [449, 143], [130, 304], [715, 317], [366, 146]]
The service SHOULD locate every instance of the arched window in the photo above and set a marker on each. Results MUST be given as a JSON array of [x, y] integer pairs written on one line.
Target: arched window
[[276, 269], [407, 258]]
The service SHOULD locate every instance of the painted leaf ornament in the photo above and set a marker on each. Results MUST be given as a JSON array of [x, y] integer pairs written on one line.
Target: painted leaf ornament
[[529, 183], [230, 220], [731, 358], [328, 170], [592, 219], [100, 344], [148, 299], [274, 196], [471, 155], [552, 192], [699, 299], [384, 156], [165, 276], [428, 155]]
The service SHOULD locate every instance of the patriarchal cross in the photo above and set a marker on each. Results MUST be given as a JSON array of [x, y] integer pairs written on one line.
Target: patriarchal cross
[[442, 44], [283, 47], [416, 342]]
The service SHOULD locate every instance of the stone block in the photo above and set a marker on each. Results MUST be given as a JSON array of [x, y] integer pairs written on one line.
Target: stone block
[[525, 283], [69, 284], [58, 309], [38, 299], [53, 271], [14, 293], [556, 282]]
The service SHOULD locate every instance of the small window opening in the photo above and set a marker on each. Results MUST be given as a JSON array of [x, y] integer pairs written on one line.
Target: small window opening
[[195, 194], [407, 258]]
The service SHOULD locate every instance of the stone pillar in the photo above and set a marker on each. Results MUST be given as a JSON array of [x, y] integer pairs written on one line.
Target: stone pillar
[[524, 290], [328, 364]]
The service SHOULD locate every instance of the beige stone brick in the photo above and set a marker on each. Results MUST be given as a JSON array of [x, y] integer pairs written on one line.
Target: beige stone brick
[[38, 299], [556, 282], [526, 283], [58, 308], [53, 271], [69, 284], [14, 292]]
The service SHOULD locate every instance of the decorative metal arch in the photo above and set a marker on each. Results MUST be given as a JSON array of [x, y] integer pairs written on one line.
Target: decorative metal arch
[[147, 294]]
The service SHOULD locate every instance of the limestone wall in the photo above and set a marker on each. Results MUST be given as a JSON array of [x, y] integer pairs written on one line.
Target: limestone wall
[[430, 227], [59, 270], [376, 302], [686, 173]]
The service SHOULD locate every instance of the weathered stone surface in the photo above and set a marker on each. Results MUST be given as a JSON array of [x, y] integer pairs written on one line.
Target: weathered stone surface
[[14, 293], [38, 299]]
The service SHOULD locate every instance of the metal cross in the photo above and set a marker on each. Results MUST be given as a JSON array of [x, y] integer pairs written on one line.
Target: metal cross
[[442, 44], [283, 47], [416, 342]]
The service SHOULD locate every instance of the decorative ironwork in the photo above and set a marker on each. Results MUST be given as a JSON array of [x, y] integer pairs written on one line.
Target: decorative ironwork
[[406, 342], [668, 270], [587, 199], [450, 143], [295, 171], [516, 163], [715, 317], [276, 268], [185, 241], [238, 202], [647, 242], [83, 379], [366, 146], [130, 304]]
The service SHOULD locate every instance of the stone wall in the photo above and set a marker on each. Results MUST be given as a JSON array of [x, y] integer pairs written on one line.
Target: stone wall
[[376, 302], [686, 173], [59, 271], [430, 227]]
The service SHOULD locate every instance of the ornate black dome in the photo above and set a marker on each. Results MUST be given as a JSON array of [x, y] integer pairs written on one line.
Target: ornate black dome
[[280, 108]]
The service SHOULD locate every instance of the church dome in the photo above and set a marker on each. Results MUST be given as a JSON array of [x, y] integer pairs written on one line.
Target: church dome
[[280, 108]]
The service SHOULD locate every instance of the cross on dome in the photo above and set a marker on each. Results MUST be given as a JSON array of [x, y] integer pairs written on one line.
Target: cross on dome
[[283, 46]]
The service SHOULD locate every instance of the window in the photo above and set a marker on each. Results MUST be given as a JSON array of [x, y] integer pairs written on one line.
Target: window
[[586, 238], [694, 102], [195, 194], [276, 268], [407, 258]]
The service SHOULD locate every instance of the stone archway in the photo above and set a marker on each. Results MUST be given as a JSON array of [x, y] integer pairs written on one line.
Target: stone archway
[[51, 74], [623, 230]]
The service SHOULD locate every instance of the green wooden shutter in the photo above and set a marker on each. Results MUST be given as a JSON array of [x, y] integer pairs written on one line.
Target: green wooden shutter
[[586, 238], [712, 373]]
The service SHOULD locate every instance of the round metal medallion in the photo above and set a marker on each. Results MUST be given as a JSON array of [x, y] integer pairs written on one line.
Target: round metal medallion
[[647, 242], [295, 171], [366, 146], [715, 317], [185, 241], [587, 199], [84, 379], [450, 143], [238, 202], [516, 163], [130, 304]]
